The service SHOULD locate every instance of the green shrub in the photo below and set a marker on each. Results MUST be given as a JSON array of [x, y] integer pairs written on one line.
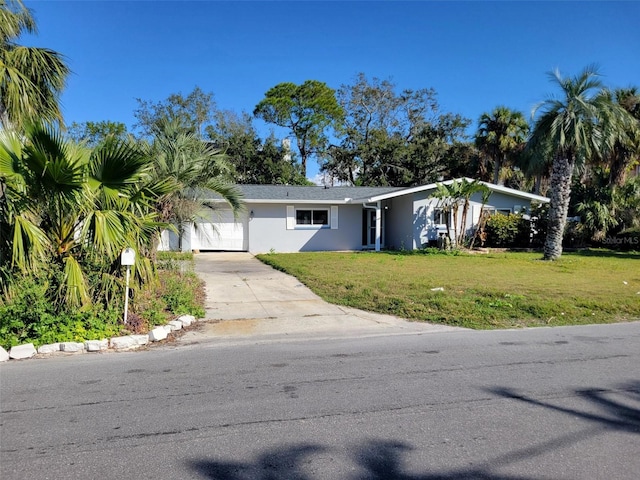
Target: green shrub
[[507, 231], [628, 239], [575, 235], [27, 317], [182, 293], [438, 251]]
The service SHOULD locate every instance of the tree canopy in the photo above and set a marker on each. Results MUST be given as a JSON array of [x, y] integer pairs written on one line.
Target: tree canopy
[[94, 133], [500, 134], [255, 161], [389, 137], [31, 78], [193, 111], [307, 110]]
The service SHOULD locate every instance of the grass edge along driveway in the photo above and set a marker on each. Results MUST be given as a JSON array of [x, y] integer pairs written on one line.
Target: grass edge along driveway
[[481, 291]]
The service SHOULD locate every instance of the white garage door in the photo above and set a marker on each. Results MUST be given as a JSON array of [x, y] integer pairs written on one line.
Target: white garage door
[[222, 233]]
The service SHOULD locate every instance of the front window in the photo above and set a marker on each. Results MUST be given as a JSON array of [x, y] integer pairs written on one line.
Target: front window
[[312, 217], [439, 216]]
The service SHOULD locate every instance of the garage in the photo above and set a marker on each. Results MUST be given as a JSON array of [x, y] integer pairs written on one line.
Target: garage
[[217, 231], [223, 232]]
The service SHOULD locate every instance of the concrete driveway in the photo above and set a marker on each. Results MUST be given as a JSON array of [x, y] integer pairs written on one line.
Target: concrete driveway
[[246, 298]]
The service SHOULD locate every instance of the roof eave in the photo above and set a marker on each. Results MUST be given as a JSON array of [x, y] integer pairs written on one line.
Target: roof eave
[[431, 186], [286, 201]]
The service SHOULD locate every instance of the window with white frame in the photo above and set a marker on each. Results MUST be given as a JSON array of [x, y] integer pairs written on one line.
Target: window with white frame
[[439, 216], [312, 216], [495, 211], [309, 217]]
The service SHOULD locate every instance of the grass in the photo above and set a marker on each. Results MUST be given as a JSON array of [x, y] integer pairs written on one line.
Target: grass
[[482, 291]]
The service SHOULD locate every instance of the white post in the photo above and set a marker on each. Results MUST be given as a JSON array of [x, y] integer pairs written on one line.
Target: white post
[[126, 295], [378, 226], [127, 258]]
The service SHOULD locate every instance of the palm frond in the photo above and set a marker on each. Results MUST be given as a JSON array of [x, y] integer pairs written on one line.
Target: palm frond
[[31, 82], [73, 288], [29, 243]]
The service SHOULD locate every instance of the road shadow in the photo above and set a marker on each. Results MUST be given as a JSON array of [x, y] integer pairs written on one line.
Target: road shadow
[[270, 465], [622, 415], [616, 409], [376, 459]]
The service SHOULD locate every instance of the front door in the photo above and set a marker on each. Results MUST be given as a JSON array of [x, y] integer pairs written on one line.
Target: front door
[[368, 228]]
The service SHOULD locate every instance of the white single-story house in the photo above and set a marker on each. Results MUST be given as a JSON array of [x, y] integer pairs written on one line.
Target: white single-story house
[[289, 218]]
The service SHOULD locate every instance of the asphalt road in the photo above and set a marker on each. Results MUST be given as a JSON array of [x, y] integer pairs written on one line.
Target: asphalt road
[[560, 403]]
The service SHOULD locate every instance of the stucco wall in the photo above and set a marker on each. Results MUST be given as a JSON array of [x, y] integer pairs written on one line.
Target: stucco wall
[[399, 223], [267, 229], [425, 229], [503, 201]]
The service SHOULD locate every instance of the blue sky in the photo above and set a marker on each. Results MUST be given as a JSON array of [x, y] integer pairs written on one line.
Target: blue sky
[[476, 55]]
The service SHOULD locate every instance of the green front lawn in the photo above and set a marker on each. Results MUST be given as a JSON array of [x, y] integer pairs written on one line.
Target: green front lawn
[[496, 290]]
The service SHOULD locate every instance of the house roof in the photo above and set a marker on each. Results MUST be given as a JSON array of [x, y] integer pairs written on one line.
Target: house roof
[[344, 195], [310, 194]]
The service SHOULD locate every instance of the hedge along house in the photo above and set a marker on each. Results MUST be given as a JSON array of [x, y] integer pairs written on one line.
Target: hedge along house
[[284, 218]]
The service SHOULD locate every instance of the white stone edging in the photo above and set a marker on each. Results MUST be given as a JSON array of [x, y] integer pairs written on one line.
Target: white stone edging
[[127, 342]]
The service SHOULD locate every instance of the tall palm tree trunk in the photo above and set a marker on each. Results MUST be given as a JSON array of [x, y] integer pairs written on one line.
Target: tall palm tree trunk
[[618, 168], [496, 171], [561, 174]]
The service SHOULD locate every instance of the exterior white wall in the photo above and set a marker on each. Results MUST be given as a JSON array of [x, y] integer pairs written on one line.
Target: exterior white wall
[[399, 219], [503, 201], [407, 223], [267, 229], [168, 241], [426, 230]]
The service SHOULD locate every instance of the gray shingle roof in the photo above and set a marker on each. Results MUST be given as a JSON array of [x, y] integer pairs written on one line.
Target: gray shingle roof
[[309, 194], [312, 193]]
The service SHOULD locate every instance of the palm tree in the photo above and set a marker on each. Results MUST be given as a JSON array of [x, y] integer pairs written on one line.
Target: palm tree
[[467, 190], [626, 150], [454, 196], [499, 135], [66, 208], [580, 126], [484, 216], [194, 168], [31, 78]]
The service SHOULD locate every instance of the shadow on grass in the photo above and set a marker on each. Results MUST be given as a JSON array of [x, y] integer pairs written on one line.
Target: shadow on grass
[[604, 253], [611, 414]]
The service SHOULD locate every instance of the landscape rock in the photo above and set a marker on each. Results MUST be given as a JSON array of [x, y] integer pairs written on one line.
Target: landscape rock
[[49, 348], [140, 339], [187, 320], [4, 355], [175, 324], [71, 347], [123, 343], [22, 351], [157, 334], [168, 328], [96, 345]]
